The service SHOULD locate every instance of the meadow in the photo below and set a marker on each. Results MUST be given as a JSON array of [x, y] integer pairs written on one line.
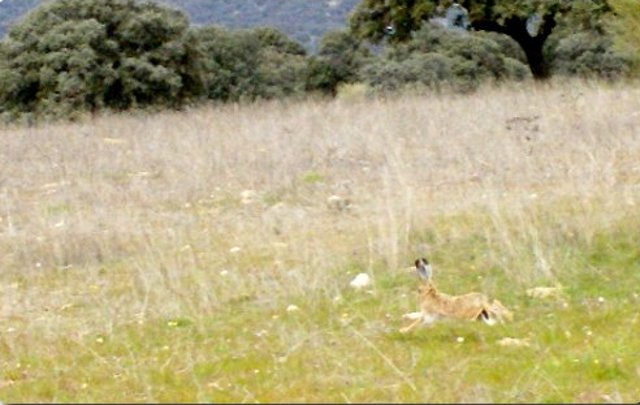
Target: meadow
[[206, 255]]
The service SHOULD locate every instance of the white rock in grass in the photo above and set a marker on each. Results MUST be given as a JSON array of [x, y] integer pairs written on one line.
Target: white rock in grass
[[248, 196], [338, 203], [360, 281], [334, 200], [544, 292], [114, 141], [292, 308], [513, 342]]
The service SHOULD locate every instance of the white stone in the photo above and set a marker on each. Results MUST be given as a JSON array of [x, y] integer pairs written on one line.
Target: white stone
[[508, 341], [248, 196], [544, 292], [360, 281]]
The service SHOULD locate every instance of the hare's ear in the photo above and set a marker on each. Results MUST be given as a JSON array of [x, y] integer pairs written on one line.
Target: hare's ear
[[424, 268]]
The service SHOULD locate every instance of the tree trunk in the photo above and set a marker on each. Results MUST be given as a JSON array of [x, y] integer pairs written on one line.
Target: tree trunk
[[533, 50], [516, 28]]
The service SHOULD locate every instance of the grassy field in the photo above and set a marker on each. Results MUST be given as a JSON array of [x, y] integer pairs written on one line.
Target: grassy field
[[206, 255]]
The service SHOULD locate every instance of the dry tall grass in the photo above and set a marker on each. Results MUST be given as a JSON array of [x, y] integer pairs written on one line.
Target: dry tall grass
[[122, 219]]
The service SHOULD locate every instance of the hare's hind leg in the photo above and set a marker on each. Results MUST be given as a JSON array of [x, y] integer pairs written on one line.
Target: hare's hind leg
[[425, 318], [411, 326]]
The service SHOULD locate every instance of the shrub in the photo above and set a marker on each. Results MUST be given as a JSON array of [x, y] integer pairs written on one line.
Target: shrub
[[435, 58], [70, 56], [251, 64], [340, 58], [589, 54]]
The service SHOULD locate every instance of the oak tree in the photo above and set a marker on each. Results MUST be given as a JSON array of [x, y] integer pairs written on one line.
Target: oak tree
[[528, 22]]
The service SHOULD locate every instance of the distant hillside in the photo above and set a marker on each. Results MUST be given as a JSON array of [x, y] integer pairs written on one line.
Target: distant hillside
[[306, 21], [11, 10]]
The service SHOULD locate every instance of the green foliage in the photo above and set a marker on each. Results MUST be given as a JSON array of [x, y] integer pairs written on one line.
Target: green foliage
[[84, 55], [74, 56], [344, 53], [303, 20], [507, 46], [371, 18], [515, 69], [586, 15], [281, 74], [251, 64], [322, 77], [431, 70], [228, 62], [340, 58], [396, 20], [436, 57], [588, 54], [625, 27]]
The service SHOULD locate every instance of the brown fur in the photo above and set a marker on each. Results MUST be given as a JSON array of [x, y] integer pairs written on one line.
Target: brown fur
[[471, 307]]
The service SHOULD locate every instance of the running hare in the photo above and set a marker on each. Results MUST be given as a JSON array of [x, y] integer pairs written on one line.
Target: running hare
[[434, 304]]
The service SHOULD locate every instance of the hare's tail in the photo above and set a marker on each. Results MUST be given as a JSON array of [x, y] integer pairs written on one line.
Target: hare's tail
[[500, 311], [495, 312]]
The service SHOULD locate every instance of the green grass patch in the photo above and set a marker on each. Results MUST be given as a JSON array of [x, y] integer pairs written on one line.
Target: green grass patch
[[344, 345]]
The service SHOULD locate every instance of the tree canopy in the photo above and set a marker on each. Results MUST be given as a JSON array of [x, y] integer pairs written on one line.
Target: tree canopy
[[528, 22], [251, 64], [303, 20], [440, 58], [74, 55]]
